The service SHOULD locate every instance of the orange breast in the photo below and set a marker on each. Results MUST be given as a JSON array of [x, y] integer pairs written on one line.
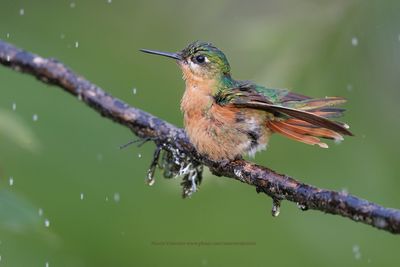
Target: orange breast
[[221, 132]]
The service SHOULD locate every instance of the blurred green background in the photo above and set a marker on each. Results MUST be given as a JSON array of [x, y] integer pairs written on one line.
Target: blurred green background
[[70, 197]]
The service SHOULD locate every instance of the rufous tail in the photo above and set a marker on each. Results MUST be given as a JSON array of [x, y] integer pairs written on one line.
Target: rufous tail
[[297, 129]]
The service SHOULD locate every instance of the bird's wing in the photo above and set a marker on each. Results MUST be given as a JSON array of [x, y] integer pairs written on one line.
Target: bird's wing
[[283, 103]]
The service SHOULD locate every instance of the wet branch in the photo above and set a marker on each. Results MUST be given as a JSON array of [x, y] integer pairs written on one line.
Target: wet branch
[[173, 140]]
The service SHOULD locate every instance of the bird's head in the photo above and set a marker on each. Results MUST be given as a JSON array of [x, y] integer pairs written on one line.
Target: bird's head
[[199, 61]]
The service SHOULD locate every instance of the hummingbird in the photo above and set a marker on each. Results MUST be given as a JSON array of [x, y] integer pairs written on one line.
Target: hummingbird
[[226, 118]]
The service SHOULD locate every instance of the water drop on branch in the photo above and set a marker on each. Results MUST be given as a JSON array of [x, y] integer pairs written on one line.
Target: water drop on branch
[[276, 207]]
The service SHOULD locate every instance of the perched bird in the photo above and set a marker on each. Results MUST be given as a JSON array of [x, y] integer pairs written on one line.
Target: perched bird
[[225, 118]]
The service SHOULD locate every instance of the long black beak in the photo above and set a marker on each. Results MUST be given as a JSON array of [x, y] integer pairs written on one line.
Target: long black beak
[[165, 54]]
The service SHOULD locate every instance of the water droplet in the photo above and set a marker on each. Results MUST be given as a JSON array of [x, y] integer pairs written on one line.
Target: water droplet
[[151, 181], [14, 106], [46, 264], [302, 206], [380, 223], [106, 198], [82, 196], [356, 252], [76, 44], [72, 5], [349, 87], [276, 207], [35, 117], [11, 181], [8, 58], [117, 197], [62, 36], [47, 223], [22, 12], [109, 1], [139, 155], [354, 41], [40, 212], [8, 35], [134, 91]]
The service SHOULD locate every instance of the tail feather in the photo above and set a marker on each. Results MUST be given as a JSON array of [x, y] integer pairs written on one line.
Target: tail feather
[[313, 131], [316, 103], [307, 132], [277, 127]]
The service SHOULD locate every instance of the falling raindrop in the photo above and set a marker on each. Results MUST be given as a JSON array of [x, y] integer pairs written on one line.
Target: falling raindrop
[[356, 252], [8, 35], [139, 155], [354, 41], [35, 117], [40, 212], [47, 223], [62, 36], [109, 1], [14, 106], [46, 264], [72, 5], [117, 197], [76, 44], [134, 91], [22, 12], [99, 157], [11, 181], [107, 198], [82, 196], [8, 58], [349, 87], [398, 37]]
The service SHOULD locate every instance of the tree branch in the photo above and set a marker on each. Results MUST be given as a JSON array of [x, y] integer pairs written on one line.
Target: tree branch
[[174, 140]]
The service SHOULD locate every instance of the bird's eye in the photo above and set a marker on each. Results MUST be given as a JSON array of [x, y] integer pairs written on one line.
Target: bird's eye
[[199, 59]]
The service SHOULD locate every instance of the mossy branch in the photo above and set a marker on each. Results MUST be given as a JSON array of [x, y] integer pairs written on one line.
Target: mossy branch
[[174, 140]]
